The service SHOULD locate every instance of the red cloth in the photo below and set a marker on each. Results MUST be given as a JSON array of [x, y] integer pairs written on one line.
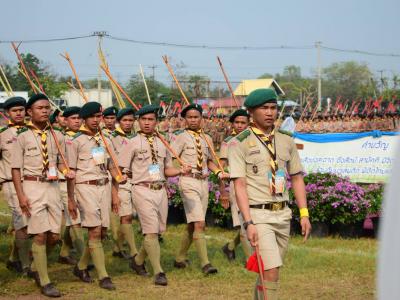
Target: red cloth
[[252, 264]]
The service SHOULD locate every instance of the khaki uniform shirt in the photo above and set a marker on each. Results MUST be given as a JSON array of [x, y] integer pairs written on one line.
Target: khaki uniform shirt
[[80, 157], [249, 158], [136, 156], [7, 138], [27, 153], [184, 145]]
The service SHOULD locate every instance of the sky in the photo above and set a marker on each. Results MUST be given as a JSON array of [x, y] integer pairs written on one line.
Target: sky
[[346, 24]]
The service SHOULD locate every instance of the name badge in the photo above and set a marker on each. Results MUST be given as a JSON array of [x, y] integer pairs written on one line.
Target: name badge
[[205, 171], [280, 181], [98, 154], [52, 173], [154, 171]]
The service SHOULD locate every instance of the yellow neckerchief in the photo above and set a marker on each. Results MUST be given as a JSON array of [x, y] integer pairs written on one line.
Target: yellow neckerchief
[[234, 133], [70, 132], [200, 157], [150, 139], [194, 132], [91, 135], [35, 129], [11, 124]]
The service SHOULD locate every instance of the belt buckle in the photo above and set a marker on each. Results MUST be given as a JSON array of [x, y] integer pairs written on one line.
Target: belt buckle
[[276, 206], [101, 181]]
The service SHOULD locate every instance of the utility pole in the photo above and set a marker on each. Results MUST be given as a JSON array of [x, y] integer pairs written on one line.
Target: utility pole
[[100, 35], [318, 46]]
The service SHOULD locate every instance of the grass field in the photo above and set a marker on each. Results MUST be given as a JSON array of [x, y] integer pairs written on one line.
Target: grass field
[[328, 268]]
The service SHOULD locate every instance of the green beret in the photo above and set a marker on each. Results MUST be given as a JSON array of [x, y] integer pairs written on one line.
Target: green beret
[[89, 109], [238, 113], [72, 110], [53, 116], [14, 101], [125, 111], [259, 97], [110, 111], [148, 109], [190, 107], [34, 98]]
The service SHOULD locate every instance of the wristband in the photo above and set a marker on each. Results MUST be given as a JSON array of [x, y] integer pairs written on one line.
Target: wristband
[[304, 212], [65, 171], [218, 172], [246, 224]]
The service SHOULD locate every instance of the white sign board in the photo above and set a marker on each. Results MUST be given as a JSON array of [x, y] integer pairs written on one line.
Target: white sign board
[[4, 96], [367, 159]]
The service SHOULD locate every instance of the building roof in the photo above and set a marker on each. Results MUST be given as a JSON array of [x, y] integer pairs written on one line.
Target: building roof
[[249, 85]]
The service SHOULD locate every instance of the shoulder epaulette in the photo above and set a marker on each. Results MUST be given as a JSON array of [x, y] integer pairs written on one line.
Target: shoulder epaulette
[[3, 129], [179, 131], [164, 134], [76, 135], [113, 134], [243, 135], [58, 129], [285, 132], [228, 139], [131, 136], [22, 129]]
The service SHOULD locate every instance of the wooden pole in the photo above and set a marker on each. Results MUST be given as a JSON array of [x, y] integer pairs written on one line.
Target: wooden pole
[[165, 58], [212, 151], [227, 82], [261, 273], [6, 84], [68, 58], [145, 84], [119, 87], [24, 68], [168, 146]]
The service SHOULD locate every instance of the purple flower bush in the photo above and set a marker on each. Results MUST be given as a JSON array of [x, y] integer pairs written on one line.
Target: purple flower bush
[[335, 199], [374, 194]]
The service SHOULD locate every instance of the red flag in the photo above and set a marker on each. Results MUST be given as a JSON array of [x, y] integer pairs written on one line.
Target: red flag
[[252, 264]]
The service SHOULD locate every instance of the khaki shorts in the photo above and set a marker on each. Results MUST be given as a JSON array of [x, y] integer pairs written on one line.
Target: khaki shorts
[[234, 208], [64, 198], [152, 208], [94, 203], [194, 194], [273, 229], [19, 220], [125, 198], [46, 206]]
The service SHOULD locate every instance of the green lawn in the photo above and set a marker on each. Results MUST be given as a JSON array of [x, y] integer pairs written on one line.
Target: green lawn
[[328, 268]]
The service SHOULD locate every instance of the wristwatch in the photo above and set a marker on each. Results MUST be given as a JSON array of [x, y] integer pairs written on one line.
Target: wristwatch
[[246, 224]]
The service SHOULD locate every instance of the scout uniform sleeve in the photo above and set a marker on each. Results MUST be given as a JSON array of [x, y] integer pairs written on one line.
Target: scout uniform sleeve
[[17, 159], [294, 166], [236, 158], [168, 160], [210, 141], [72, 153]]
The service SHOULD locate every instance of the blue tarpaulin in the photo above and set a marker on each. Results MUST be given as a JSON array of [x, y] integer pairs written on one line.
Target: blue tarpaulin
[[340, 137]]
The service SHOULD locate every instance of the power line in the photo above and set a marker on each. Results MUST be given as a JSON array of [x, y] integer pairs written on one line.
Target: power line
[[202, 46]]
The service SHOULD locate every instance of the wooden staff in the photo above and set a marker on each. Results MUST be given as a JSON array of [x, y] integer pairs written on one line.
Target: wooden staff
[[315, 111], [305, 108], [145, 84], [59, 147], [227, 81], [165, 58], [37, 80], [261, 273], [119, 176], [119, 87], [24, 68], [168, 146], [6, 84], [281, 112], [4, 116], [68, 58], [212, 151]]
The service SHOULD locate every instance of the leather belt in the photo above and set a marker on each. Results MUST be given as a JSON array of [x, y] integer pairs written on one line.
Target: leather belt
[[152, 185], [274, 206], [7, 180], [102, 181], [62, 180], [38, 179], [129, 175], [196, 176]]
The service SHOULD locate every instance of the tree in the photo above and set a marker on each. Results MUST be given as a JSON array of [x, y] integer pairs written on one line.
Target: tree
[[136, 90], [350, 80]]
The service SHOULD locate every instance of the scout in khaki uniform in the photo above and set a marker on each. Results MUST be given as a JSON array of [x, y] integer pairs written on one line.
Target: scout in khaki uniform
[[72, 235], [90, 191], [109, 120], [120, 137], [146, 157], [19, 259], [35, 156], [259, 159], [239, 121], [191, 147]]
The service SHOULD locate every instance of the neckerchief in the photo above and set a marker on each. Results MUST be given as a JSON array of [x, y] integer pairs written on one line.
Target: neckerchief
[[150, 140], [196, 135], [266, 140], [43, 138]]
